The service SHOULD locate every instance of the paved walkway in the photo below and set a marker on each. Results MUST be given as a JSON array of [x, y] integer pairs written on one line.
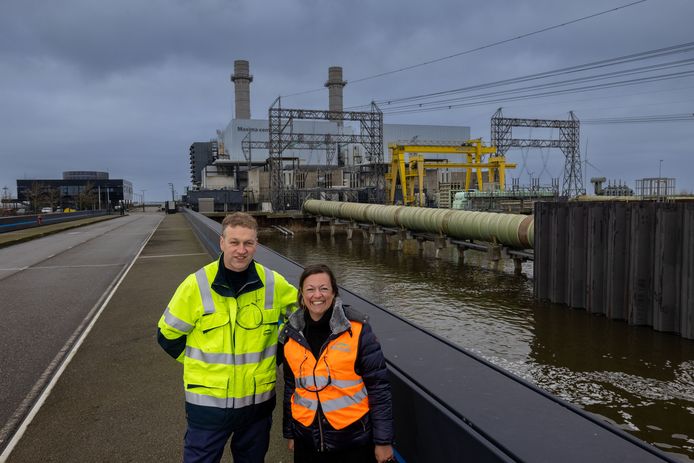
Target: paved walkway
[[121, 397], [26, 234]]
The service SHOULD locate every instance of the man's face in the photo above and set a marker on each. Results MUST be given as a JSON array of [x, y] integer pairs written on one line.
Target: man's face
[[238, 245]]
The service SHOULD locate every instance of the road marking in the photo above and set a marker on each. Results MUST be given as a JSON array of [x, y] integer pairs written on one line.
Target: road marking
[[158, 256], [80, 332], [51, 267]]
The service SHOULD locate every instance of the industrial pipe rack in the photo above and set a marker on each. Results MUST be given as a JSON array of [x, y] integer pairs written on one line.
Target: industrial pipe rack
[[513, 230]]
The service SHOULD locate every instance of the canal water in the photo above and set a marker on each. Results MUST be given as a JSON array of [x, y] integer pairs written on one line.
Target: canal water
[[640, 380]]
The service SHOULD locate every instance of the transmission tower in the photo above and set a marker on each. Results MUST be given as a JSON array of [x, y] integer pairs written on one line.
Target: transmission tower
[[282, 136], [568, 143]]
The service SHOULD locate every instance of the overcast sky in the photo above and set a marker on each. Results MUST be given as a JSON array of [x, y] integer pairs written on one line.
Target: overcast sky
[[126, 86]]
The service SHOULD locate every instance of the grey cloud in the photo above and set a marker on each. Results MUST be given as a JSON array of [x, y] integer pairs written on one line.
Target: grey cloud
[[127, 86]]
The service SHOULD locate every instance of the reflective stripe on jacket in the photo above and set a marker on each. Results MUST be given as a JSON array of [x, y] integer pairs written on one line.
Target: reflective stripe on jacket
[[231, 342], [331, 380]]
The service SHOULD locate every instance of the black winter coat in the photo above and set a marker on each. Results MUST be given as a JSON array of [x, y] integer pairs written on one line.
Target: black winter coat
[[376, 426]]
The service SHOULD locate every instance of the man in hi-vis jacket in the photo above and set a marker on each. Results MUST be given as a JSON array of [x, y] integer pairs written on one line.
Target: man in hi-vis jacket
[[222, 324]]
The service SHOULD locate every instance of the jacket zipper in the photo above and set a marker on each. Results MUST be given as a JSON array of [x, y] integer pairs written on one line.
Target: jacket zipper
[[240, 291], [319, 411], [320, 427]]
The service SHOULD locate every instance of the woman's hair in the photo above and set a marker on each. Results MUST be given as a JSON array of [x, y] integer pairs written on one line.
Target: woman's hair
[[313, 270]]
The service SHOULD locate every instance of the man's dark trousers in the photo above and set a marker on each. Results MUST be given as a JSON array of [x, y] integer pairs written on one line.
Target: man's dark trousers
[[248, 444]]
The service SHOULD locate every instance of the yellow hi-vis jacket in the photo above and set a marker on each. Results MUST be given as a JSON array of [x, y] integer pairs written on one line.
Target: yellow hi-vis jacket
[[330, 380], [231, 342]]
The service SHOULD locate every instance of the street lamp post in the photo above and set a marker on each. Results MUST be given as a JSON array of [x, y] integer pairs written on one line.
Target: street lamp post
[[143, 200]]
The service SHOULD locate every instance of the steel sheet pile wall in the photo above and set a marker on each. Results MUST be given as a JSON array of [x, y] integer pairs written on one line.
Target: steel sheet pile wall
[[630, 261], [512, 230]]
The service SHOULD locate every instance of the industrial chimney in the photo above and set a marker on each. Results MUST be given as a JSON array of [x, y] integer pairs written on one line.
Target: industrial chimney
[[335, 85], [242, 89]]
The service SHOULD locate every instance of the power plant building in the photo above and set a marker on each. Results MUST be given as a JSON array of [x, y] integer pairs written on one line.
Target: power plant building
[[242, 161], [257, 130], [202, 154]]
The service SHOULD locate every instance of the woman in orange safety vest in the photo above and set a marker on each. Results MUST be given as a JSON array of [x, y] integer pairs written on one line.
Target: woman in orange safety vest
[[337, 401]]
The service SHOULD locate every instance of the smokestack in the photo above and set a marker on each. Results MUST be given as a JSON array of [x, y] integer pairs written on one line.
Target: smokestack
[[242, 89], [335, 85]]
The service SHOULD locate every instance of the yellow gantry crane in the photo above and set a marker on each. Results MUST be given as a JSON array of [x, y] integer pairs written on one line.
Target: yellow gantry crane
[[412, 169]]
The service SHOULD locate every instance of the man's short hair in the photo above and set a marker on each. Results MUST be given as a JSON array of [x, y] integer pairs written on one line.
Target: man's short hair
[[239, 219]]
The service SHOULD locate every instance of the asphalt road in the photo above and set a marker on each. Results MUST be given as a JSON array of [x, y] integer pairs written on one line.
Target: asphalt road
[[49, 287]]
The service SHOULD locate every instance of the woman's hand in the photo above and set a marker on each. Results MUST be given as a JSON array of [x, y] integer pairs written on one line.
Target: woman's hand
[[384, 453], [290, 444]]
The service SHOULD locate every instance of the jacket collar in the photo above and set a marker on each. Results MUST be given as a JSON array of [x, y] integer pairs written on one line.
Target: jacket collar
[[338, 321], [220, 286]]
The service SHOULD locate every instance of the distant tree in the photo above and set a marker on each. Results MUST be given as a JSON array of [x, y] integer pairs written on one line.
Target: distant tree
[[36, 195], [6, 200], [52, 196], [86, 199]]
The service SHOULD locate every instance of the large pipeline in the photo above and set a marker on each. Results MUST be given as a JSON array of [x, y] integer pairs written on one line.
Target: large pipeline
[[509, 229]]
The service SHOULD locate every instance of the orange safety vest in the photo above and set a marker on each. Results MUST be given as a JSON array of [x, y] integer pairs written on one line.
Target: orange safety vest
[[331, 381]]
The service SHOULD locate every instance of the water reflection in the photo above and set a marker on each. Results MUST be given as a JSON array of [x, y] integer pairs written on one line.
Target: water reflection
[[641, 380]]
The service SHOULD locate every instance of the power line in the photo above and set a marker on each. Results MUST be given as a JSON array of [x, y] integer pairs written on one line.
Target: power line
[[500, 42], [604, 76], [483, 47], [644, 119], [650, 54], [550, 93]]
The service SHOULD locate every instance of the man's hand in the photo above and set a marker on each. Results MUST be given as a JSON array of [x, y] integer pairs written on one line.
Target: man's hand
[[290, 444]]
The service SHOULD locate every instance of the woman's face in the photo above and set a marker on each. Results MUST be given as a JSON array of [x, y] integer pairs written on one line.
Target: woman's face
[[317, 294]]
